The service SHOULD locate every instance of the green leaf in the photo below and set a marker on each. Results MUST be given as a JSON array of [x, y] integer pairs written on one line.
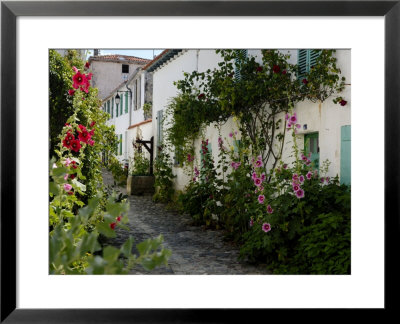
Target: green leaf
[[106, 230], [54, 189], [111, 254], [126, 248]]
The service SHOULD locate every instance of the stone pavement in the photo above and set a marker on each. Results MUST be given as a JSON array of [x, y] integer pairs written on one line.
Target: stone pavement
[[194, 250]]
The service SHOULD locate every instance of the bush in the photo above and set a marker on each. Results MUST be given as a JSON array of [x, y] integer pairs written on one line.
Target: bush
[[117, 170], [163, 177]]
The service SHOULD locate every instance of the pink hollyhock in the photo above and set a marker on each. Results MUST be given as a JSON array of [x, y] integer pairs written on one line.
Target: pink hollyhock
[[75, 69], [266, 227], [258, 164], [301, 179], [67, 187], [298, 125], [251, 223], [285, 166], [293, 118], [68, 161], [91, 142], [79, 80], [261, 199], [257, 182], [300, 193], [231, 134], [295, 177], [309, 175], [263, 177], [269, 209], [295, 187], [287, 116], [254, 176], [66, 177]]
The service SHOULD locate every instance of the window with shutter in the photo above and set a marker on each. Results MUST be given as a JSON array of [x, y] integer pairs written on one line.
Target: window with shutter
[[121, 105], [306, 58], [242, 54], [120, 144], [126, 101], [116, 146]]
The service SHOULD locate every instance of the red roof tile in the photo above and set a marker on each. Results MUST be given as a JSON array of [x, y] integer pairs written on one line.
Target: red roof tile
[[119, 59], [155, 59], [141, 123]]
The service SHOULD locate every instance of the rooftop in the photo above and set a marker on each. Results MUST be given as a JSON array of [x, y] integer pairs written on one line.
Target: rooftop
[[160, 59], [117, 58]]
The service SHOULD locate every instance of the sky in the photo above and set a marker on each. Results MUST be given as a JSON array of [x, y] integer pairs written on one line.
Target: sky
[[147, 53]]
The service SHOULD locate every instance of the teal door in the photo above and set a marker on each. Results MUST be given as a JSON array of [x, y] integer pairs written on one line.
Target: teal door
[[311, 144], [345, 155]]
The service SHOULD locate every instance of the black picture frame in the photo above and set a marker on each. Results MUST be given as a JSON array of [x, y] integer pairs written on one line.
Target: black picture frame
[[10, 10]]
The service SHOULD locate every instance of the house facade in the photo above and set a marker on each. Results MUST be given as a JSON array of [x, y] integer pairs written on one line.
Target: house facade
[[325, 127], [125, 106], [109, 71]]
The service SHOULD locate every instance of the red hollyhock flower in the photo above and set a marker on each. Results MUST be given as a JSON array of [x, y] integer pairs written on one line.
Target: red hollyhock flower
[[87, 65], [67, 142], [305, 81], [92, 123], [343, 102], [72, 176], [84, 136], [259, 69], [118, 218], [112, 225], [74, 166], [91, 132], [89, 76], [201, 96], [75, 145], [71, 92], [284, 72], [276, 69], [70, 193], [79, 80]]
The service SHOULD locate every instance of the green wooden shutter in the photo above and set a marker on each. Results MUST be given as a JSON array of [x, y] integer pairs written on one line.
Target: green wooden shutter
[[120, 144], [243, 54], [126, 102], [305, 60], [311, 144], [108, 106], [159, 127], [112, 108], [302, 63], [121, 105], [116, 146], [236, 145], [345, 155]]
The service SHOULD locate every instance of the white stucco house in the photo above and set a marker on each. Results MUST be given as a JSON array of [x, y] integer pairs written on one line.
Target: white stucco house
[[325, 127], [124, 105]]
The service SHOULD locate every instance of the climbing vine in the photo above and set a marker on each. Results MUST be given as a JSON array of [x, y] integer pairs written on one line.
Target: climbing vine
[[257, 94]]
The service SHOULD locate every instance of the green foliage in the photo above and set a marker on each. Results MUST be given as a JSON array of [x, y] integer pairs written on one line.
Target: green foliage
[[163, 177], [147, 110], [117, 170], [80, 209], [140, 164]]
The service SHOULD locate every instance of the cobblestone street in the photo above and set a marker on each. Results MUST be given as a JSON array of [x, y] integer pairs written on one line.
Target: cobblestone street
[[194, 250]]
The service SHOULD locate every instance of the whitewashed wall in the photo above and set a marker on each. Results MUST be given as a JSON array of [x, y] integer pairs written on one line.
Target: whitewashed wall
[[326, 118]]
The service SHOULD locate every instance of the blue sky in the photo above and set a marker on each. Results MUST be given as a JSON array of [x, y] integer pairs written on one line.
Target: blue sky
[[147, 53]]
